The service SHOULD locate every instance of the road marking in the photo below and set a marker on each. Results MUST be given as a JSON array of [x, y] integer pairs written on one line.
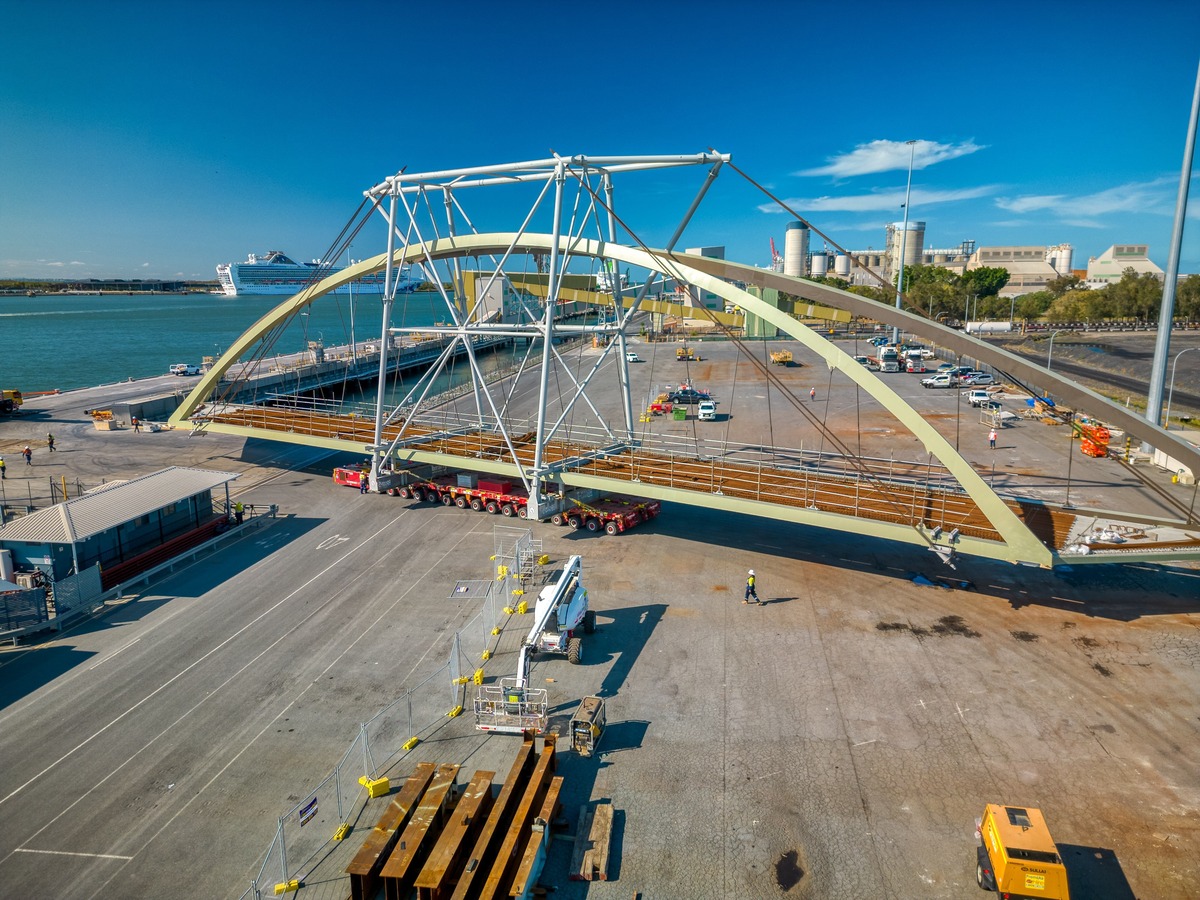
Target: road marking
[[864, 743], [166, 684], [114, 653], [69, 853], [331, 542]]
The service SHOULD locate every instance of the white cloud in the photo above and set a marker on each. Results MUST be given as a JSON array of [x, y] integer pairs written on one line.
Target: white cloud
[[1137, 197], [881, 201], [886, 156]]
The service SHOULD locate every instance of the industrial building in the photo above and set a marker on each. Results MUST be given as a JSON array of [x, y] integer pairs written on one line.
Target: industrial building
[[1110, 265]]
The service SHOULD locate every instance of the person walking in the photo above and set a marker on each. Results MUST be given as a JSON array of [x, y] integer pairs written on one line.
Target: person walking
[[28, 454], [992, 439], [3, 469], [812, 393], [50, 441], [751, 591], [137, 424]]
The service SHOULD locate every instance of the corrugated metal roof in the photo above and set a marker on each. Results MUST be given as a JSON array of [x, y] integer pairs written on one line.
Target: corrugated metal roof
[[111, 505]]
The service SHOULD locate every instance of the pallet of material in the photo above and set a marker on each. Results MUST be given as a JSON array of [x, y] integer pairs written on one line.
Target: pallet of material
[[418, 838], [365, 867], [593, 835]]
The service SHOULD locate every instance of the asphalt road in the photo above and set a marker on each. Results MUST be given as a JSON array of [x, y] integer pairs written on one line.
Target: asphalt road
[[839, 741]]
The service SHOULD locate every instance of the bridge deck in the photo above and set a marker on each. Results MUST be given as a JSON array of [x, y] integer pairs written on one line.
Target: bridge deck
[[904, 494]]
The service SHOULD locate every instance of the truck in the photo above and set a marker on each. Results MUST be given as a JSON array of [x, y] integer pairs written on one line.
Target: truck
[[1016, 855], [781, 357], [560, 619], [10, 402], [886, 359], [686, 354], [613, 515]]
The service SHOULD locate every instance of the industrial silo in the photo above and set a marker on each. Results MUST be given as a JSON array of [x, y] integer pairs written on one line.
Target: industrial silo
[[1060, 257], [820, 265], [841, 265], [913, 246], [795, 249]]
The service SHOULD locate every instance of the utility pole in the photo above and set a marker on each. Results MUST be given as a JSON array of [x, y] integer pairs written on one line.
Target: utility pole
[[912, 150]]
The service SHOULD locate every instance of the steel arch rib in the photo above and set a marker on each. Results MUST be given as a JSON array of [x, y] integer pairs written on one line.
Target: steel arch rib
[[709, 274]]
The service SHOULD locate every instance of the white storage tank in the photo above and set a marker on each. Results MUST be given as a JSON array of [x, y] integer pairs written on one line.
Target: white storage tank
[[913, 246], [819, 265], [795, 249], [841, 265], [1060, 258]]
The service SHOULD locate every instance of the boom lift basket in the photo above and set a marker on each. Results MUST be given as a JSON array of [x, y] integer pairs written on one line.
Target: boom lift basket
[[508, 708]]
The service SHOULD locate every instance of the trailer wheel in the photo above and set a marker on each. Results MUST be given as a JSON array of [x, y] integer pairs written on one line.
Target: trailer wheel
[[593, 525], [418, 494], [507, 511], [447, 499], [403, 493], [558, 519], [476, 504], [611, 528], [493, 507], [575, 651], [589, 622], [460, 501], [574, 522], [522, 512], [979, 874]]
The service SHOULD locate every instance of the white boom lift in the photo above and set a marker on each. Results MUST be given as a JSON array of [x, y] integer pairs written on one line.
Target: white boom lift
[[560, 614]]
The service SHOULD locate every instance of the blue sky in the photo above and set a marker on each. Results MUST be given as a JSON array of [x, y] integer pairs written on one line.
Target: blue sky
[[157, 140]]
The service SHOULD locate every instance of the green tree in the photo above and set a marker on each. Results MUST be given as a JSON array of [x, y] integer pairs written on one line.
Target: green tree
[[1187, 298], [986, 281], [1136, 296], [1034, 305], [1062, 284]]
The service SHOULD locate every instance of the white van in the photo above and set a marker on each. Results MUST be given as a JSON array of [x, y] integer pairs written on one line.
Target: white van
[[632, 357], [184, 369], [706, 411]]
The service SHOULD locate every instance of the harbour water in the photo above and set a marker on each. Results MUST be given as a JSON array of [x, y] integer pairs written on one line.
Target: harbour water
[[74, 341]]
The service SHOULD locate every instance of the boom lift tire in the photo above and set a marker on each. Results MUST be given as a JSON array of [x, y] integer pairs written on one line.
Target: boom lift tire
[[589, 622], [575, 651]]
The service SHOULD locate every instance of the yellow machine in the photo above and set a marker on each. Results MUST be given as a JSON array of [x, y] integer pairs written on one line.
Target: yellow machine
[[781, 357], [10, 401], [1016, 855], [686, 354]]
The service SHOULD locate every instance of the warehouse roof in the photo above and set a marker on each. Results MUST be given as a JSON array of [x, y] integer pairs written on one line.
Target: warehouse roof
[[111, 505]]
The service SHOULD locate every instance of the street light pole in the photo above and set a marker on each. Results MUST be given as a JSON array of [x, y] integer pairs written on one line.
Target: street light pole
[[912, 150], [1171, 392], [1050, 355]]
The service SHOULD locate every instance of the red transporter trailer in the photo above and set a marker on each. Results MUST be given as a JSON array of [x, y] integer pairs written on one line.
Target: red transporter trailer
[[613, 514], [502, 497]]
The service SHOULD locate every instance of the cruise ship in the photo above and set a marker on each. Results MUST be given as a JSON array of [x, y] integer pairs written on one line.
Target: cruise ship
[[277, 273]]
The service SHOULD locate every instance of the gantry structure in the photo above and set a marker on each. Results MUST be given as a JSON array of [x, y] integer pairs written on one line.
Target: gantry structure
[[573, 222]]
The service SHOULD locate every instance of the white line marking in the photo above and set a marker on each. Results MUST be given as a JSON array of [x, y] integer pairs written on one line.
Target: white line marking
[[864, 743], [114, 653], [166, 684], [69, 853]]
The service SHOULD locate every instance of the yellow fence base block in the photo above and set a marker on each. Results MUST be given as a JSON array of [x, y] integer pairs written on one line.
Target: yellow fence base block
[[495, 631], [486, 655], [285, 887], [461, 679], [454, 713], [411, 742], [376, 787], [543, 559], [523, 607], [342, 831], [478, 676], [508, 610]]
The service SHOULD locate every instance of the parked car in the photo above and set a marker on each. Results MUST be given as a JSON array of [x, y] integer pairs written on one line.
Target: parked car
[[184, 369], [975, 378], [687, 396], [632, 357], [946, 367], [926, 353], [940, 380], [707, 411], [862, 361], [978, 397]]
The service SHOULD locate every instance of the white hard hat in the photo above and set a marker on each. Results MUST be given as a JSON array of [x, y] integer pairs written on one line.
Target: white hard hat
[[751, 571]]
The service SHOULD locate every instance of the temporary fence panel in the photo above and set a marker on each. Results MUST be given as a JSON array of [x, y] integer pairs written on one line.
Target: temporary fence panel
[[20, 609], [77, 591], [310, 825]]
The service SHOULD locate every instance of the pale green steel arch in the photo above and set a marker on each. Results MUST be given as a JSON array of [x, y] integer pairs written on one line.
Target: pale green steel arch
[[1022, 544]]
